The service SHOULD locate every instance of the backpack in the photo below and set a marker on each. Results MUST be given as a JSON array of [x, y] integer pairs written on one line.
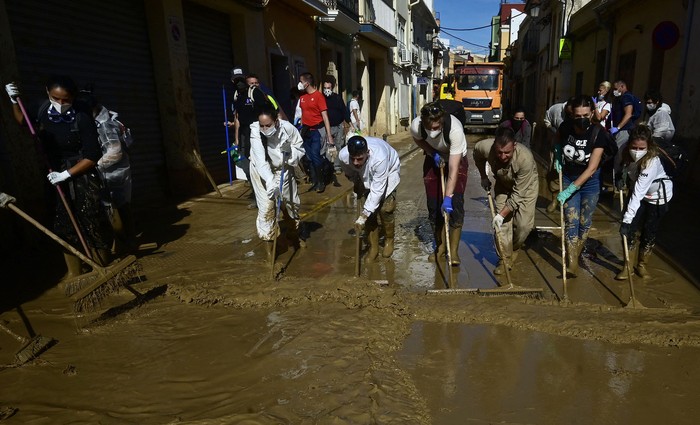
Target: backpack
[[610, 148], [673, 158], [453, 108]]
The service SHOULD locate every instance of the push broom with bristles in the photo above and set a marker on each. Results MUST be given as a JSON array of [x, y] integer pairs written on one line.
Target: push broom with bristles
[[91, 288]]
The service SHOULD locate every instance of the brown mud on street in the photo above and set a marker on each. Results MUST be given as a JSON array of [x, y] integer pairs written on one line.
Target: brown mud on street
[[214, 340]]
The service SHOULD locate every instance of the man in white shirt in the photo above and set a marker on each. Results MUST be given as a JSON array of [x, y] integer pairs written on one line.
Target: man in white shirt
[[373, 165]]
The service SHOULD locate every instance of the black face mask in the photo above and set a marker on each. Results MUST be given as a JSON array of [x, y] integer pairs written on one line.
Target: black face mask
[[515, 124], [582, 123]]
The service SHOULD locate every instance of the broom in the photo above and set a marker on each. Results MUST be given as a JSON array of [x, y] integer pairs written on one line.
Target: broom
[[31, 348], [99, 283]]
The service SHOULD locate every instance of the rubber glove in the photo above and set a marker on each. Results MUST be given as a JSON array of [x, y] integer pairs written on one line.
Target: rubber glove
[[594, 100], [626, 230], [447, 205], [12, 91], [614, 130], [360, 222], [557, 158], [497, 222], [566, 193], [438, 160], [486, 184], [273, 190], [56, 177]]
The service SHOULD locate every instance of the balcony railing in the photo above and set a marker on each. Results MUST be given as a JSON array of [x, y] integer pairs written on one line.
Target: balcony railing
[[349, 7], [381, 15]]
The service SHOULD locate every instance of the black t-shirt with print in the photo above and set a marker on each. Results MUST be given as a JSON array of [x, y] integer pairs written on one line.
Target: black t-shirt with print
[[577, 149]]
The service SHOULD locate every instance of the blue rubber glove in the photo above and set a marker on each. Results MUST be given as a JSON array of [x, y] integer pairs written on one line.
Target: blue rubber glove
[[566, 193], [447, 205], [594, 99], [614, 130], [557, 158], [438, 159]]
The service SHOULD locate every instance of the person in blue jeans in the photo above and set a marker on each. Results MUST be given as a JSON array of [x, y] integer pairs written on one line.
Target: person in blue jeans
[[577, 154]]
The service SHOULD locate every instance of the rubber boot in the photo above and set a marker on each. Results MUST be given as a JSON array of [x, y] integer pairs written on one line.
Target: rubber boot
[[312, 177], [320, 183], [499, 270], [633, 254], [644, 256], [553, 206], [73, 265], [441, 247], [572, 253], [373, 240], [388, 239], [455, 236]]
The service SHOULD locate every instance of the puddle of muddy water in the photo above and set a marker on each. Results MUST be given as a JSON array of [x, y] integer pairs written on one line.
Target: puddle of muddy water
[[494, 374]]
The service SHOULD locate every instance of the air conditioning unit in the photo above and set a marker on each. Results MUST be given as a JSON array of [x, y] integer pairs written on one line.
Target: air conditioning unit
[[404, 55]]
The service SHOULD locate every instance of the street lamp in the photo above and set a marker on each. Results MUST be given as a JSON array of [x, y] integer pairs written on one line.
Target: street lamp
[[535, 11]]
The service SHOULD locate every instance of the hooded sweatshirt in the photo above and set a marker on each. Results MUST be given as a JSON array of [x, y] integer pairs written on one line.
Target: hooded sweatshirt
[[661, 124]]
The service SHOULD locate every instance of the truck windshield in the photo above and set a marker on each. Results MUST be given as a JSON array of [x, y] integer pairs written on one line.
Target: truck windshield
[[477, 79]]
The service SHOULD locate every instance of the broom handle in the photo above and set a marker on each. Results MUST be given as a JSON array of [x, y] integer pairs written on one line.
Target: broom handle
[[628, 266], [563, 238], [357, 241], [278, 208], [12, 334], [446, 218], [499, 245], [206, 172], [58, 187], [53, 236]]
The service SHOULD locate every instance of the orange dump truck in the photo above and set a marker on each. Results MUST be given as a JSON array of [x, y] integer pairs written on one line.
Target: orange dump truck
[[479, 86]]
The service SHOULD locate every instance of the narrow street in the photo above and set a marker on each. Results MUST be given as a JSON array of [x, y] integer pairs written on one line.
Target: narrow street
[[215, 340]]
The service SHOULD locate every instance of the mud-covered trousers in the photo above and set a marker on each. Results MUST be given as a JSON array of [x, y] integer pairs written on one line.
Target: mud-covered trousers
[[647, 220], [517, 226], [433, 192], [579, 208]]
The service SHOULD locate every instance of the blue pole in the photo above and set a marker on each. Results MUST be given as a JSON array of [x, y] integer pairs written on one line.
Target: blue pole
[[228, 143]]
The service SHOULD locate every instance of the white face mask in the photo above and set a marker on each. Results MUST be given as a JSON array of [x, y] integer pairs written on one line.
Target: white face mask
[[300, 86], [651, 107], [434, 133], [268, 132], [327, 92], [62, 109], [637, 155], [617, 93]]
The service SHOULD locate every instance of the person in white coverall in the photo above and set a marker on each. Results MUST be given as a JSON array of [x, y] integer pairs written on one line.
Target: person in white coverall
[[373, 166], [276, 145]]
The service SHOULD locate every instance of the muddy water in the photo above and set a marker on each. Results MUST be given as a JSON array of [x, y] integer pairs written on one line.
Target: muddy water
[[222, 343], [493, 374]]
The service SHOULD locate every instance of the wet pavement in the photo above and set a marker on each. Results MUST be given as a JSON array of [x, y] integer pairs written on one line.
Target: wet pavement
[[215, 340]]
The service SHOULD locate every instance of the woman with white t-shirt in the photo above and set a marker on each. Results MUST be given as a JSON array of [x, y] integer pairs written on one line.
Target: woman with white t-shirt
[[650, 192], [440, 146]]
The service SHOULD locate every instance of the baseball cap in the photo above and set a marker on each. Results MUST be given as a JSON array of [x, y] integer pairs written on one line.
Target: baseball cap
[[237, 73]]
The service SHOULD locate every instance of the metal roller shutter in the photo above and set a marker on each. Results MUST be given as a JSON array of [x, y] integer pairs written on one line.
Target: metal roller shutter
[[211, 59], [105, 44]]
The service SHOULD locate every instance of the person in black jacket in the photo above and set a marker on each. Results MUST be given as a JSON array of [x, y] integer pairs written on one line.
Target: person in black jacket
[[69, 139], [339, 119]]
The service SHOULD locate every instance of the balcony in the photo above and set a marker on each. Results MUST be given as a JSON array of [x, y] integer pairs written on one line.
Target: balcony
[[342, 16], [378, 23], [311, 7], [425, 60]]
